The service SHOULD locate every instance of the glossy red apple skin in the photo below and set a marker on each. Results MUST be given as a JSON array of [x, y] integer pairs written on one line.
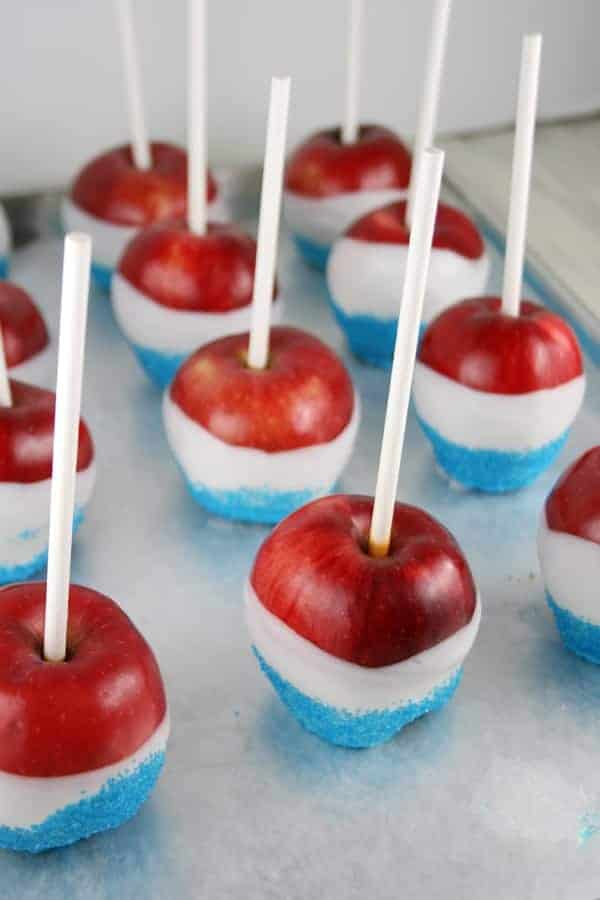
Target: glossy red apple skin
[[110, 187], [475, 344], [573, 505], [23, 329], [314, 573], [26, 435], [211, 273], [323, 166], [304, 396], [453, 229], [92, 710]]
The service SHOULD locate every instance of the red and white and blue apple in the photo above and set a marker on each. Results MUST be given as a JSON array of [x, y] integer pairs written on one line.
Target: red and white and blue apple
[[26, 433], [111, 199], [497, 394], [175, 290], [254, 444], [569, 554], [82, 742], [355, 645], [367, 265], [25, 336], [5, 243], [329, 184]]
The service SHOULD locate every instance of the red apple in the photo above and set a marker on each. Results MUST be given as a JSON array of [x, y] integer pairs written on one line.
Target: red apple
[[387, 225], [314, 572], [95, 708], [303, 397], [477, 345], [23, 328], [185, 271], [26, 434], [112, 188], [574, 504], [323, 165]]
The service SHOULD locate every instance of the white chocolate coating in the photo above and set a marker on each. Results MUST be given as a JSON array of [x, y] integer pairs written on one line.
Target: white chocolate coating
[[484, 421], [219, 466], [571, 570], [366, 278], [24, 516], [109, 240], [149, 324], [322, 219], [343, 684], [26, 801]]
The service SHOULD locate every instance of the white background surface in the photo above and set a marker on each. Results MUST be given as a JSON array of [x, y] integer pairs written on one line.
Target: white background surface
[[62, 98]]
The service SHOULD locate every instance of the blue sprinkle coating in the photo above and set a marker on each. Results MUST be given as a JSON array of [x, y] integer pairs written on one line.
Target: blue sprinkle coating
[[262, 506], [346, 729], [314, 254], [579, 635], [371, 338], [492, 471], [116, 802], [4, 266], [12, 574], [102, 276], [159, 367]]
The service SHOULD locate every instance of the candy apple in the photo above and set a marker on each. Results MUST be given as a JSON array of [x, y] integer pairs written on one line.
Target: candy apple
[[497, 394]]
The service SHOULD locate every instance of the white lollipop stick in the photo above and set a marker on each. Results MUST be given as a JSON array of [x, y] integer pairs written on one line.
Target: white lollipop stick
[[516, 235], [197, 116], [73, 315], [350, 124], [5, 392], [140, 146], [268, 223], [428, 108], [413, 295]]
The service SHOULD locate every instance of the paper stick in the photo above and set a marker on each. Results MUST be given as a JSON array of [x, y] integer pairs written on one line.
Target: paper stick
[[5, 392], [73, 315], [516, 235], [140, 146], [413, 295], [428, 108], [197, 116], [350, 125], [268, 223]]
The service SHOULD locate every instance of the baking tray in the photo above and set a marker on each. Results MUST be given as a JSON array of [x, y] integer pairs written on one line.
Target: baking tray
[[497, 796]]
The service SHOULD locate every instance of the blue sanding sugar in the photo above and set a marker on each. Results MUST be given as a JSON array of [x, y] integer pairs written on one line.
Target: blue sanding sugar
[[12, 574], [371, 338], [160, 367], [348, 729], [102, 276], [314, 254], [493, 471], [579, 635], [4, 266], [260, 505], [116, 802], [23, 571]]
